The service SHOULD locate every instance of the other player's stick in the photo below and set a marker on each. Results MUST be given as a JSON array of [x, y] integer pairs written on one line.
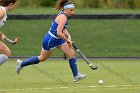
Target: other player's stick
[[85, 58], [11, 41]]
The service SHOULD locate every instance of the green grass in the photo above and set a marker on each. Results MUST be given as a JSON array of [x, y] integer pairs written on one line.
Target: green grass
[[97, 38], [49, 10], [54, 76]]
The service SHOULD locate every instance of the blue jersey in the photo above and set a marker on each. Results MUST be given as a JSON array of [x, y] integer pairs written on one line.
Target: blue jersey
[[53, 29], [51, 39]]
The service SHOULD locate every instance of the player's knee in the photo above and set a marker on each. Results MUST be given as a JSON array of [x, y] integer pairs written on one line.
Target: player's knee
[[71, 55], [8, 53], [42, 58]]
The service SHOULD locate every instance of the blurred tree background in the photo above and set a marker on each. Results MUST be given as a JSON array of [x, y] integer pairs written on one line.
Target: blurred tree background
[[132, 4]]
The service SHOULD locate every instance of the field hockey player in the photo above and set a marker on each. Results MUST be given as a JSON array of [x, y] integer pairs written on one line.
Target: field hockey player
[[57, 37], [5, 52]]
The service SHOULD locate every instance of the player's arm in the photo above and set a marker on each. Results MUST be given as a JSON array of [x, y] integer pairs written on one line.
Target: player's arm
[[2, 36], [67, 34], [1, 13], [61, 20]]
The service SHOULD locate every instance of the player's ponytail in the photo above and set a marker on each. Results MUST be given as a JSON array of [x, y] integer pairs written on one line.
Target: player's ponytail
[[6, 2], [61, 3]]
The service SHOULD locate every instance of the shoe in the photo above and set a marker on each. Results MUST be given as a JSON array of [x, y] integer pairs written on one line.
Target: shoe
[[18, 67], [79, 77]]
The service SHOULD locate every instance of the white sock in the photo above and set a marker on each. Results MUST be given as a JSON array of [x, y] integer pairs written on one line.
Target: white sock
[[3, 58]]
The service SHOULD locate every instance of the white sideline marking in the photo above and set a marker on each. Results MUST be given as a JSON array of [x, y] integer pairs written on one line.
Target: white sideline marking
[[127, 85], [57, 88], [93, 86], [110, 86]]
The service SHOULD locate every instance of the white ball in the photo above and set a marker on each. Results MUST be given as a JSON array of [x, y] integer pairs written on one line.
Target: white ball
[[101, 82]]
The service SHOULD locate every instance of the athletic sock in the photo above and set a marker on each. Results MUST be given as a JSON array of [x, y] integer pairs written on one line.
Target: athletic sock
[[3, 58], [73, 66], [30, 61]]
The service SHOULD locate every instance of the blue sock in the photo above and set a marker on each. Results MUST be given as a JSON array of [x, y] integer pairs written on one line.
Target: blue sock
[[30, 61], [73, 65]]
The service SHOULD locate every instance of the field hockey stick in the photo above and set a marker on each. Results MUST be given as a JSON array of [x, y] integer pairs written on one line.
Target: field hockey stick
[[11, 41], [85, 58]]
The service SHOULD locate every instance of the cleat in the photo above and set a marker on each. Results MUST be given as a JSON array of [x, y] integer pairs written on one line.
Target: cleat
[[79, 77], [18, 68]]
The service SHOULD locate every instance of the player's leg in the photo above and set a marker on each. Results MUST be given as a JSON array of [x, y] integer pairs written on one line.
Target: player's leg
[[45, 53], [72, 61], [33, 60], [5, 53], [36, 59]]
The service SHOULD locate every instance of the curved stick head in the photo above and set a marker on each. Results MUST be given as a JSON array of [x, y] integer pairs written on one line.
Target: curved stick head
[[94, 67], [15, 40]]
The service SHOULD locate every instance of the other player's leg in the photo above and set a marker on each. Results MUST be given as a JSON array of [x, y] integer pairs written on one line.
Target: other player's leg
[[5, 53]]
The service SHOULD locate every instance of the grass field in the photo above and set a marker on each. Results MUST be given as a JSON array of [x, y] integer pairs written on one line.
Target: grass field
[[54, 76], [93, 37], [97, 38]]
